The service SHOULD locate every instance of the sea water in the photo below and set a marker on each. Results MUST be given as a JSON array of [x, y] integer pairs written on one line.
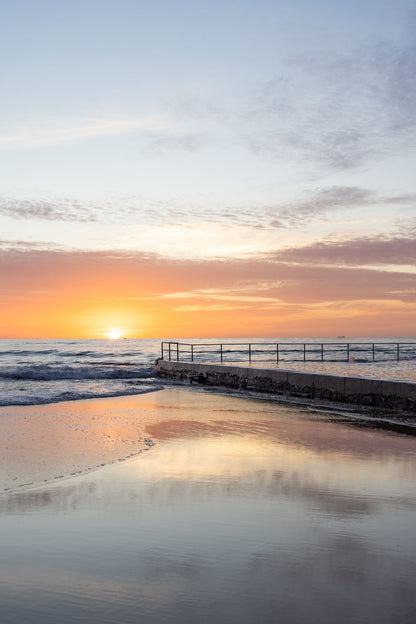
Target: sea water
[[34, 372]]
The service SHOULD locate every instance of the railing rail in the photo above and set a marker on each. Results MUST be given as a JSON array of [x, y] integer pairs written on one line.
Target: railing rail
[[295, 351]]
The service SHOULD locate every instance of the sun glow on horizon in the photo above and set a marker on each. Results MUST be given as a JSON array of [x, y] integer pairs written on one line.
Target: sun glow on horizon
[[114, 333]]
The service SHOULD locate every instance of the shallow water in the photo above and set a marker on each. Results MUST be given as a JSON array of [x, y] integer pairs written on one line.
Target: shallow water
[[244, 511]]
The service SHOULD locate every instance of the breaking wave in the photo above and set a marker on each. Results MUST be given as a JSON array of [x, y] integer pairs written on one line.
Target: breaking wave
[[47, 372]]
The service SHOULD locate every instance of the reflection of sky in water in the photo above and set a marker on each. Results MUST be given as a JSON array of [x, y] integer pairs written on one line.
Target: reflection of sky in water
[[243, 512]]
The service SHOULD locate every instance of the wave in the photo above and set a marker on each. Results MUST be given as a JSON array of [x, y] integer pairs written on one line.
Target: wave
[[95, 354], [100, 354], [71, 354], [77, 395], [46, 372], [28, 352]]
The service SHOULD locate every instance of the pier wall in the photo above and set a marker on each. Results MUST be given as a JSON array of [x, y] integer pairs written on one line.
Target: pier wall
[[391, 395]]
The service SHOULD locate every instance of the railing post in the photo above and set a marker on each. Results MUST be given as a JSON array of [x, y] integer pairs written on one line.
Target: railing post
[[192, 352], [277, 352], [304, 352], [322, 352], [162, 348], [221, 352], [398, 351], [373, 352], [177, 351], [169, 350], [348, 351], [249, 353]]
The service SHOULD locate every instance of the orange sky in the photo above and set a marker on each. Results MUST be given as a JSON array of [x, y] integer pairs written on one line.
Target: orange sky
[[49, 294]]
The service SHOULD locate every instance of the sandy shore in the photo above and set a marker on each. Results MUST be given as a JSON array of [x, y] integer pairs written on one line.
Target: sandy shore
[[242, 511], [44, 443], [41, 443]]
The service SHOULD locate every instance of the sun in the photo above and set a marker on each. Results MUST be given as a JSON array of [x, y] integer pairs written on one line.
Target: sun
[[114, 333]]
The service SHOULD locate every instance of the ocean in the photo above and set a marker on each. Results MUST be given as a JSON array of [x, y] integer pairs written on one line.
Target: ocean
[[34, 372]]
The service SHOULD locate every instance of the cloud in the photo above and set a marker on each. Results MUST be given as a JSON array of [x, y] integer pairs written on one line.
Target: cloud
[[363, 251], [14, 246], [160, 144], [120, 209], [339, 112], [319, 204], [407, 226], [312, 205], [47, 134], [57, 209], [254, 281]]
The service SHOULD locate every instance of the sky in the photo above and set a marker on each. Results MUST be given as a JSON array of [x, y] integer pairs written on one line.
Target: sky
[[220, 168]]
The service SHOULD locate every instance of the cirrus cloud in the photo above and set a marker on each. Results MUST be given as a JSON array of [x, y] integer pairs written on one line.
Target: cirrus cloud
[[43, 134]]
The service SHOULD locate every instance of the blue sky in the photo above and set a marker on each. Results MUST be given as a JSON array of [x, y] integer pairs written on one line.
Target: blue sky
[[205, 130]]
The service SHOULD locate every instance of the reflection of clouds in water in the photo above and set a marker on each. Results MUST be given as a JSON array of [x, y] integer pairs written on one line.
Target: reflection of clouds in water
[[237, 515], [336, 577], [101, 593], [236, 437], [168, 565], [211, 469], [270, 423]]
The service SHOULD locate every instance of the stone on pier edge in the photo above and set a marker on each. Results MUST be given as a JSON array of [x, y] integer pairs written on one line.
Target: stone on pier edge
[[397, 396]]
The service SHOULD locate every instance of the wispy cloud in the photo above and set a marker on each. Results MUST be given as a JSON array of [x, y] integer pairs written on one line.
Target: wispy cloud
[[18, 246], [43, 134], [57, 209], [375, 250], [318, 204], [254, 281], [339, 112], [158, 144], [312, 205]]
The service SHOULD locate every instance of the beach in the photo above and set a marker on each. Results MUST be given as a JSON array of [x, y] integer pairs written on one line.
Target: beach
[[208, 303], [183, 504]]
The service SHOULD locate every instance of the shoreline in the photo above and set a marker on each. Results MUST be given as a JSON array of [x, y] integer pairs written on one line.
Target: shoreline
[[48, 443], [44, 445]]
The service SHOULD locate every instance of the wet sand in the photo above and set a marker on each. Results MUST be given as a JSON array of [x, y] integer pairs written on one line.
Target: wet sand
[[242, 511], [40, 443]]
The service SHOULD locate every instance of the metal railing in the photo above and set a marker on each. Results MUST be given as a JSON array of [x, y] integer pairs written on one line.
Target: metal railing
[[284, 351]]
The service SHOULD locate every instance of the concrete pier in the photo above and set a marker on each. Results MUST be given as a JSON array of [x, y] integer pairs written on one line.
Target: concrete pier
[[394, 396]]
